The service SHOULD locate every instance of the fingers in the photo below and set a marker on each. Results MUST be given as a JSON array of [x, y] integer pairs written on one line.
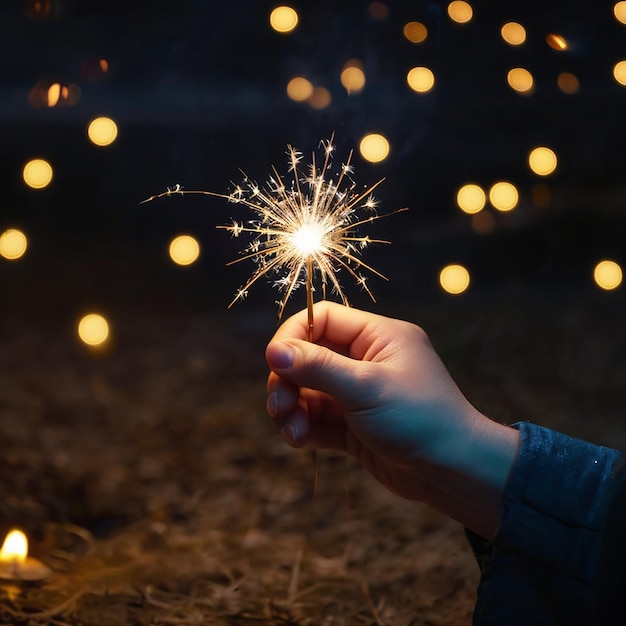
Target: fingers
[[304, 364], [282, 396], [305, 417], [314, 384], [340, 328], [288, 413]]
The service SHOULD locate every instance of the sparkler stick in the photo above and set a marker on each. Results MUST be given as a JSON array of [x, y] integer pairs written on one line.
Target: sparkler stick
[[309, 298], [306, 227]]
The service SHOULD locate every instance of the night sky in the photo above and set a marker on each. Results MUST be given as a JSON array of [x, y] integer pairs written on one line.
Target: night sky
[[198, 91]]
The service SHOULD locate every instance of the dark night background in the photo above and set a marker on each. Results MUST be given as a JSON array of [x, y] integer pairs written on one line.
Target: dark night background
[[198, 90], [157, 436]]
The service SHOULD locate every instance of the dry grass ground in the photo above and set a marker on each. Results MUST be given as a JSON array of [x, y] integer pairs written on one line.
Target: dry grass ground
[[150, 480]]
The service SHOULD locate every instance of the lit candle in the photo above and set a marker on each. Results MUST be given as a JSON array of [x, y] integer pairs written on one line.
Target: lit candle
[[15, 564]]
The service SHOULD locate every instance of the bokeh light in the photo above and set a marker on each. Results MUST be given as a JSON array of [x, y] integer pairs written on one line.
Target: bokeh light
[[320, 98], [454, 279], [54, 94], [37, 173], [513, 33], [471, 198], [352, 76], [102, 131], [521, 80], [619, 10], [541, 195], [378, 10], [568, 83], [503, 196], [46, 94], [38, 9], [619, 72], [184, 250], [460, 11], [13, 244], [94, 69], [542, 160], [556, 42], [483, 223], [299, 89], [374, 148], [93, 329], [608, 275], [283, 19], [420, 79], [415, 32]]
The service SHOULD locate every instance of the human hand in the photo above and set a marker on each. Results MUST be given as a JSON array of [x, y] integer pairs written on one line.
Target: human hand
[[374, 387]]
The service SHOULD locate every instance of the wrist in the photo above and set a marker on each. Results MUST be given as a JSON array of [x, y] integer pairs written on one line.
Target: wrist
[[467, 478]]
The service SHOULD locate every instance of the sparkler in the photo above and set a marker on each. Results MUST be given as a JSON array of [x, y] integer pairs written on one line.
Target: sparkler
[[305, 230]]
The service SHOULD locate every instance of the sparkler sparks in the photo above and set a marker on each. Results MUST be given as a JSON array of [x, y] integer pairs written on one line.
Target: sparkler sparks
[[305, 230]]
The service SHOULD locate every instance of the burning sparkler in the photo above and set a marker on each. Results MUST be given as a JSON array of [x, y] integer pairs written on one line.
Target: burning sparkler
[[305, 230]]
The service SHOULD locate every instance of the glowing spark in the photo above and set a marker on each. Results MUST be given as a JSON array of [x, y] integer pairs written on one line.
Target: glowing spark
[[305, 230]]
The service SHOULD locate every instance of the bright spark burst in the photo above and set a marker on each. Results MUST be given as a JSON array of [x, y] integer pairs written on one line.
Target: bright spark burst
[[306, 229]]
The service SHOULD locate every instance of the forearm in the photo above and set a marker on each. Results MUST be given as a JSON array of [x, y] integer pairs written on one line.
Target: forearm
[[547, 546]]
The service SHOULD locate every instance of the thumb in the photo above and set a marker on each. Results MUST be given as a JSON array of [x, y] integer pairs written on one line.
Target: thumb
[[310, 365]]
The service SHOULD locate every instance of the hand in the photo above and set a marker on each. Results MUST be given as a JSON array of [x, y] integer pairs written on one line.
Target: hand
[[374, 388]]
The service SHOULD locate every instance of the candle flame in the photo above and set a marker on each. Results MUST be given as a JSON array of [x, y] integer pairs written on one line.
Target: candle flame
[[15, 547]]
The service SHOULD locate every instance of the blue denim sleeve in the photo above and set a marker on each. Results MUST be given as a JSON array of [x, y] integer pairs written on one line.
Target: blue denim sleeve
[[541, 564]]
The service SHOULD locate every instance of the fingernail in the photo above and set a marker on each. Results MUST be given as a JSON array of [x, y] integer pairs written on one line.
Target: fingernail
[[288, 433], [272, 404], [281, 357]]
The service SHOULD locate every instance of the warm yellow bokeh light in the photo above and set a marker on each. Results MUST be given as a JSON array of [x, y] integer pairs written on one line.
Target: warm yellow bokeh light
[[93, 329], [513, 33], [14, 548], [503, 196], [37, 173], [353, 77], [46, 94], [320, 98], [460, 11], [521, 80], [608, 275], [420, 79], [454, 279], [13, 244], [378, 10], [619, 10], [102, 131], [483, 223], [299, 89], [415, 32], [619, 72], [541, 195], [471, 198], [54, 94], [184, 250], [374, 148], [542, 160], [556, 42], [39, 9], [568, 83], [283, 19]]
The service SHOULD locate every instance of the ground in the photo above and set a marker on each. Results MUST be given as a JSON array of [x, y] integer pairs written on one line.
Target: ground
[[150, 479]]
